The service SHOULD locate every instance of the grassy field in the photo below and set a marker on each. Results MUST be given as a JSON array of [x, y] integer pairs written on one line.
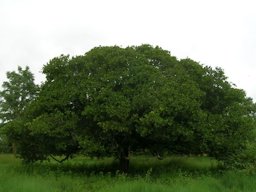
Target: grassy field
[[147, 174]]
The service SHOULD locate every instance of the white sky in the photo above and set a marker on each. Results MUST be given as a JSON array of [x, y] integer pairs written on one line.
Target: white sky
[[214, 32]]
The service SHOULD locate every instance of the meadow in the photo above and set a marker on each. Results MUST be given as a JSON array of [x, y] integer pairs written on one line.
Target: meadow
[[146, 174]]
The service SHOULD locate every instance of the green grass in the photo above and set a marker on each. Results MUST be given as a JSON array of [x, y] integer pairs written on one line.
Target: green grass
[[146, 174]]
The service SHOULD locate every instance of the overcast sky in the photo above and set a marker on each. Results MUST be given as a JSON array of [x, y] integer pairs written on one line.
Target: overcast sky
[[213, 32]]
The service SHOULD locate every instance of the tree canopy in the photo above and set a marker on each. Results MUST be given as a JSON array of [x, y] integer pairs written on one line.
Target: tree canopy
[[112, 101]]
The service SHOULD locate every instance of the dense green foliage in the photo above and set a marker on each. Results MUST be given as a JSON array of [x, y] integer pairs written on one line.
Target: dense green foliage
[[17, 93], [113, 101]]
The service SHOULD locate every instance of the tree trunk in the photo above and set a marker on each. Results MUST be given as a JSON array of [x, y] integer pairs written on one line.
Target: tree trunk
[[14, 149], [124, 160]]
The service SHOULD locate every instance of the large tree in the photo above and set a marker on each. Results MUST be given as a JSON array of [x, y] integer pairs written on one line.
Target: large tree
[[113, 100]]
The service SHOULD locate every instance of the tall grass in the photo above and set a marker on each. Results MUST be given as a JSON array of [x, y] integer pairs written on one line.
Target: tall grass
[[226, 183], [182, 174]]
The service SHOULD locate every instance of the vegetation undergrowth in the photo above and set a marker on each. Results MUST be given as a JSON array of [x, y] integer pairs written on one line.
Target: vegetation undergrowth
[[145, 174]]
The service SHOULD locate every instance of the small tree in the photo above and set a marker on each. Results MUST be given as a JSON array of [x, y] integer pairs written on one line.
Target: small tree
[[17, 92]]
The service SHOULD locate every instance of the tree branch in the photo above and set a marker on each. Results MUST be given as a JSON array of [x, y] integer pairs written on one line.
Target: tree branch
[[62, 160]]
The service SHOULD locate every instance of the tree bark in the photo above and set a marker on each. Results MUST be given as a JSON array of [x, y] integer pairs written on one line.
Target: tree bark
[[124, 160]]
